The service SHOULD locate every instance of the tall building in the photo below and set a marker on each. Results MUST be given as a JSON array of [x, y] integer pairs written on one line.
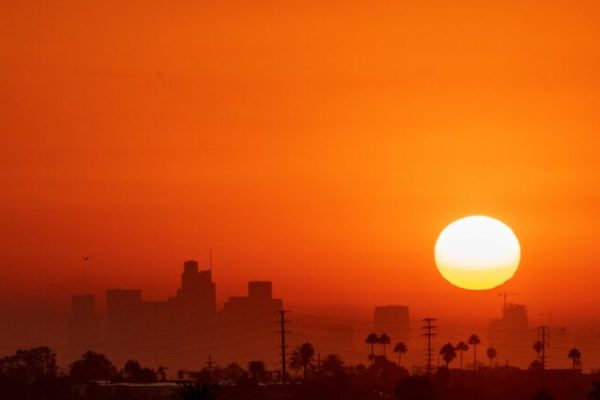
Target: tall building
[[123, 314], [508, 333], [83, 323], [198, 292], [247, 325], [393, 320], [173, 329]]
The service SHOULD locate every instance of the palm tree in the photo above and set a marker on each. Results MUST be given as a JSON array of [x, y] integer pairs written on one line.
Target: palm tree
[[575, 356], [474, 341], [372, 339], [302, 358], [332, 365], [491, 353], [384, 340], [448, 353], [461, 347], [196, 391], [257, 370], [594, 393], [400, 348], [535, 365]]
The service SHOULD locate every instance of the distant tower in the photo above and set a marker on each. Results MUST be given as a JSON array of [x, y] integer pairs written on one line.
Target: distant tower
[[260, 291], [246, 324], [123, 314], [198, 291], [505, 333]]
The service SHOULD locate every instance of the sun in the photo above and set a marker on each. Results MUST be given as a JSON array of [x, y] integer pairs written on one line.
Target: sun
[[477, 253]]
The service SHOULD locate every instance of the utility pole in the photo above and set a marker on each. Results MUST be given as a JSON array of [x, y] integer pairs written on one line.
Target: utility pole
[[282, 333], [429, 332], [543, 337], [210, 364]]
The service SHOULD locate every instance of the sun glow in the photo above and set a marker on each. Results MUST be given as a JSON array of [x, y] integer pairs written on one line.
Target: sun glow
[[477, 253]]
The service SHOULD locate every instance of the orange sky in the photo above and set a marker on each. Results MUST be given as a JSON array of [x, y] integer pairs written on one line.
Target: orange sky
[[321, 146]]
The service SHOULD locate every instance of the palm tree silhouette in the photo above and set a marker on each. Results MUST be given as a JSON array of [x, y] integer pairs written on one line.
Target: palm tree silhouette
[[400, 348], [448, 353], [461, 347], [491, 354], [474, 341], [384, 340], [257, 370], [332, 365], [372, 339], [575, 356], [302, 358]]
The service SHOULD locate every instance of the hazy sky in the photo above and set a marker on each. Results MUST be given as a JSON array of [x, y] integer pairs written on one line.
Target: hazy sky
[[323, 146]]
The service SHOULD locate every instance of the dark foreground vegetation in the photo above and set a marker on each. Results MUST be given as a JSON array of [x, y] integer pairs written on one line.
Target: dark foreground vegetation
[[34, 374]]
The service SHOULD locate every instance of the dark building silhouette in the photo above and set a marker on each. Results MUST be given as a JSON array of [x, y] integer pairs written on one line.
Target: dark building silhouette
[[198, 292], [247, 325], [123, 312], [171, 329], [83, 323], [508, 334]]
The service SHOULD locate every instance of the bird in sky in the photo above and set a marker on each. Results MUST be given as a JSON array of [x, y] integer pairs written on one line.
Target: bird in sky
[[86, 258]]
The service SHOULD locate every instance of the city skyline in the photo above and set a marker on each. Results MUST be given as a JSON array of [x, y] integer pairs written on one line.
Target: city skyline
[[290, 200], [510, 334]]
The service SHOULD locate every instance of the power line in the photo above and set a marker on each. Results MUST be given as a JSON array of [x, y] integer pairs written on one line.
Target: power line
[[210, 364], [543, 337]]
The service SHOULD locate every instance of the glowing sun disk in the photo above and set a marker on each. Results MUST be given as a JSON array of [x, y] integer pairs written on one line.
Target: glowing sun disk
[[477, 253]]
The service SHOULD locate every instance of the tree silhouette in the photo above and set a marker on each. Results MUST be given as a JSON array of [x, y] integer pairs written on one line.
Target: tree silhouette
[[384, 340], [401, 349], [257, 370], [92, 366], [575, 356], [491, 354], [133, 372], [461, 347], [332, 365], [233, 371], [594, 393], [535, 364], [302, 358], [448, 353], [372, 339], [474, 341], [26, 366], [196, 391]]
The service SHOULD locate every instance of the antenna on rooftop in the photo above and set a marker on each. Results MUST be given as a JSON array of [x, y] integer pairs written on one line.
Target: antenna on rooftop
[[210, 260], [505, 295]]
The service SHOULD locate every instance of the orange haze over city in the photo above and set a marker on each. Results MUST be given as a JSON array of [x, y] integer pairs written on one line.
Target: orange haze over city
[[322, 146]]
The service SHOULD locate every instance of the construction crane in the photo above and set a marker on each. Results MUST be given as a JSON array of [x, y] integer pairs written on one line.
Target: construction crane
[[505, 295]]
